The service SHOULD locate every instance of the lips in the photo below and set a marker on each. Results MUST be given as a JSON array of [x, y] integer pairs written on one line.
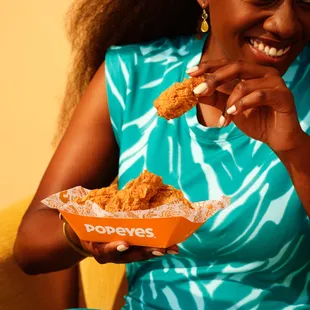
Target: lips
[[269, 49]]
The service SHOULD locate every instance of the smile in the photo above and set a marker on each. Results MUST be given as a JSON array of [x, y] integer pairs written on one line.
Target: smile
[[268, 49]]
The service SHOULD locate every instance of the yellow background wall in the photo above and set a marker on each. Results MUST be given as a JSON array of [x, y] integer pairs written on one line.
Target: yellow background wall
[[34, 58]]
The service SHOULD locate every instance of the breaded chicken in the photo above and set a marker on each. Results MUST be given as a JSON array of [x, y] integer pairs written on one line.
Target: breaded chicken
[[166, 195], [145, 192], [178, 99], [101, 196], [136, 194]]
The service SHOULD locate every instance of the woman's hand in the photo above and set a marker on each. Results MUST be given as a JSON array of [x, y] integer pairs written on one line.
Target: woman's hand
[[259, 103], [118, 252]]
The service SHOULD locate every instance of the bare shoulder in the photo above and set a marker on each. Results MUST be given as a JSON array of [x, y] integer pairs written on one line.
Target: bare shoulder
[[88, 152]]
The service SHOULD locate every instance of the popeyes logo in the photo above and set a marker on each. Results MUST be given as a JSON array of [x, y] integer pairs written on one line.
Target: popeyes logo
[[121, 231]]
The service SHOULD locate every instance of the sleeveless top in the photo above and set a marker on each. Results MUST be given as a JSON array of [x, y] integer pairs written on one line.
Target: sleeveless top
[[253, 255]]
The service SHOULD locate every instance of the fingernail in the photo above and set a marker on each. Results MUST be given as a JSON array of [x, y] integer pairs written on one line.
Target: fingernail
[[201, 88], [157, 253], [172, 252], [221, 122], [232, 110], [191, 70], [122, 248]]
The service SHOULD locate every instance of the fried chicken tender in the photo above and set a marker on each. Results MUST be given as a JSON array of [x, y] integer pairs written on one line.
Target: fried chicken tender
[[145, 186], [136, 194], [178, 99], [101, 196], [166, 195], [145, 192]]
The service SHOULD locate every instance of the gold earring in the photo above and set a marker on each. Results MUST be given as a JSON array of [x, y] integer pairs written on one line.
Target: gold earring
[[204, 25]]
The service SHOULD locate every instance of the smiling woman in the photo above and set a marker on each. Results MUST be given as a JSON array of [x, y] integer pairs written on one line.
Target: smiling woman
[[269, 33], [248, 138], [269, 48]]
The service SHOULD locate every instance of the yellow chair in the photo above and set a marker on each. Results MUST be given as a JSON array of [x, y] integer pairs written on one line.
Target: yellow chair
[[96, 286], [104, 286]]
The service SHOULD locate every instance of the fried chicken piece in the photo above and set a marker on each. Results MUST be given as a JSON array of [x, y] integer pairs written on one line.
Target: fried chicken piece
[[100, 196], [166, 195], [145, 192], [178, 99], [136, 194], [145, 186], [124, 202]]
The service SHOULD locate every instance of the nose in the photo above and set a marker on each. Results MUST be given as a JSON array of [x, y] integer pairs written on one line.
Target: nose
[[284, 22]]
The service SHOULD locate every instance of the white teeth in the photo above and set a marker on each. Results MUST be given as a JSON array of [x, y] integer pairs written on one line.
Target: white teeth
[[270, 51], [280, 53], [261, 46], [273, 52]]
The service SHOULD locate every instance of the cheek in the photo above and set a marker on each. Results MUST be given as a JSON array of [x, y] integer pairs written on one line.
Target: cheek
[[229, 35], [221, 20], [229, 16], [229, 24]]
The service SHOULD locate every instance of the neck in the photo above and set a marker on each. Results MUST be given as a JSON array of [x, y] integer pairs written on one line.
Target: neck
[[211, 50], [209, 113]]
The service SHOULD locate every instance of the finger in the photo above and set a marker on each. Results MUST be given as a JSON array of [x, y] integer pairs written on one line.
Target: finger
[[87, 246], [207, 66], [136, 254], [112, 252], [108, 252], [61, 217], [270, 91], [225, 120], [217, 100], [154, 252], [241, 90], [233, 71], [173, 250], [257, 98], [277, 98], [246, 87]]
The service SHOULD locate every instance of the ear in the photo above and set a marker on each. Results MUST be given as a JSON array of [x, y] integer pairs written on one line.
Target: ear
[[203, 3]]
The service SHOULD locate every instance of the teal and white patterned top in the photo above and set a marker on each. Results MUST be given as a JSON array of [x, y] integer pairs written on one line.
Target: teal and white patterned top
[[253, 255]]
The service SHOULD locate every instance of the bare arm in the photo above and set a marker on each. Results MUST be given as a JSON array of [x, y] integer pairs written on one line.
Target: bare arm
[[297, 164], [87, 156]]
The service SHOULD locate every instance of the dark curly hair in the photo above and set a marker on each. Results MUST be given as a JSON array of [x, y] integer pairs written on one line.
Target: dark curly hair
[[94, 25]]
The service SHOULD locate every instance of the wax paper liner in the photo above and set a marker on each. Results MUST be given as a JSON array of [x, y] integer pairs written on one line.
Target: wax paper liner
[[158, 227]]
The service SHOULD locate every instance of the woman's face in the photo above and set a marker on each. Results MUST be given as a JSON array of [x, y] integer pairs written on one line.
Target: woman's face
[[266, 32]]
